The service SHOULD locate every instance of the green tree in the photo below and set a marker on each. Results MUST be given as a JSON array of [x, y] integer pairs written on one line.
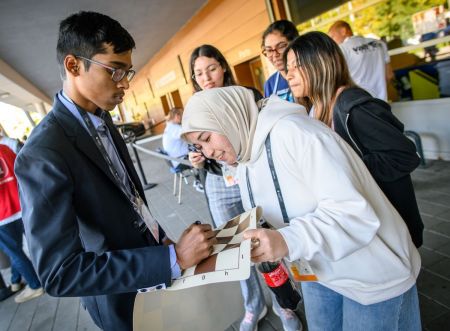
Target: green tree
[[396, 16], [387, 18]]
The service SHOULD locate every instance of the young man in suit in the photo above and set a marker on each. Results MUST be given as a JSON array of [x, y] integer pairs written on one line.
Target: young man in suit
[[88, 227]]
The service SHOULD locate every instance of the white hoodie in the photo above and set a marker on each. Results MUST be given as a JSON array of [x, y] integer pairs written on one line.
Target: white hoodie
[[340, 221]]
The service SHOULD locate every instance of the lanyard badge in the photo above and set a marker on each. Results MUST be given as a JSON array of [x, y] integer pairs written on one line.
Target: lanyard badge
[[229, 175]]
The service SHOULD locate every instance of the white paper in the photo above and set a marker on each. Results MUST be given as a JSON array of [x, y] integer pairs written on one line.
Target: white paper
[[230, 260]]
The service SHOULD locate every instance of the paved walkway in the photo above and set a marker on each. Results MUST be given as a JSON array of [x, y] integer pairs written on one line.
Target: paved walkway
[[432, 185]]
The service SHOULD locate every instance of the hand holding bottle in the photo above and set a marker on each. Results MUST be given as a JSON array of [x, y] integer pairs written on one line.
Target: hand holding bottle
[[271, 247]]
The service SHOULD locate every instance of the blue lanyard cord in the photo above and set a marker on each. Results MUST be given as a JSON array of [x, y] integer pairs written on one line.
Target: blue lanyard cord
[[249, 189], [275, 86], [274, 179], [275, 89]]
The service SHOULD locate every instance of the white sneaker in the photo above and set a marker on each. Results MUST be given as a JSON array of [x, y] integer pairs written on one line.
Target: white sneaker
[[198, 186], [289, 319], [28, 293], [16, 287]]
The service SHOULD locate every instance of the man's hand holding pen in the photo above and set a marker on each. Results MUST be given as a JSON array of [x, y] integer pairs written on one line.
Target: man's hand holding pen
[[195, 244]]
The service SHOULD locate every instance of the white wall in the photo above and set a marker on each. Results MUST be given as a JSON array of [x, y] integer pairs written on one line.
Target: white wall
[[431, 120]]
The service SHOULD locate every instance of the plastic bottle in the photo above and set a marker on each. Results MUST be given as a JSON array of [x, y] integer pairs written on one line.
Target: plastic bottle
[[276, 277]]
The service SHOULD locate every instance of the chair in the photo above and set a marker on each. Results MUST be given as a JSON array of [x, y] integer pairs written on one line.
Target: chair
[[181, 172]]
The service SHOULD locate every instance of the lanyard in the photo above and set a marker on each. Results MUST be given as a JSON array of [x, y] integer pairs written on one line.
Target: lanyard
[[135, 200], [275, 182], [145, 220], [94, 134], [275, 89], [98, 142], [275, 86]]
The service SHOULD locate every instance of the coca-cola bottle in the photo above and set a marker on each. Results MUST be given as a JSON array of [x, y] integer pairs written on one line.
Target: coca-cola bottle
[[277, 278]]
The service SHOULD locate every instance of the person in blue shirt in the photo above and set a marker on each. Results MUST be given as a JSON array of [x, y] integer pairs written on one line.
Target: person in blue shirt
[[275, 40]]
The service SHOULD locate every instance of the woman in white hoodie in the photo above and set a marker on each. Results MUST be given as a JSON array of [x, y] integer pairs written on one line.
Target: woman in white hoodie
[[328, 213]]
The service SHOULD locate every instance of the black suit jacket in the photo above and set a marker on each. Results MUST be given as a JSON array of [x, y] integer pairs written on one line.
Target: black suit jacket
[[81, 228]]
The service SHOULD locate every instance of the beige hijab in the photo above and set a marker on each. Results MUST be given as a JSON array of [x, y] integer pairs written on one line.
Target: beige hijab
[[230, 111]]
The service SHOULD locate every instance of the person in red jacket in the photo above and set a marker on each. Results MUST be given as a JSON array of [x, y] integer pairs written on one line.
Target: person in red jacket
[[11, 230]]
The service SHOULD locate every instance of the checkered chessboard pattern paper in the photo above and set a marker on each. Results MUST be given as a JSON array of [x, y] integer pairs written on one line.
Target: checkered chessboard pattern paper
[[230, 259]]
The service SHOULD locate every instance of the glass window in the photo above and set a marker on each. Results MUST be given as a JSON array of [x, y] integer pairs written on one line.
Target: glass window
[[417, 34]]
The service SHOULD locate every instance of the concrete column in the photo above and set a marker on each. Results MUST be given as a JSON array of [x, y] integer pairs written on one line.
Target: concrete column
[[2, 131], [124, 116], [39, 106], [27, 114]]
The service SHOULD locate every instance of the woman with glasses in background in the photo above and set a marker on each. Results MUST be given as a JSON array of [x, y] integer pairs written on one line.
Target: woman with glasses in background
[[209, 69], [275, 40]]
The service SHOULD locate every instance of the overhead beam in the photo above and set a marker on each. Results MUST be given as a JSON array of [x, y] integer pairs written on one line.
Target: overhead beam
[[19, 87]]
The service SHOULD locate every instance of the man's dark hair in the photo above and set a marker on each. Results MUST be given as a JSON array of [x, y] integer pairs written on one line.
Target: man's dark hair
[[211, 52], [86, 33], [284, 27]]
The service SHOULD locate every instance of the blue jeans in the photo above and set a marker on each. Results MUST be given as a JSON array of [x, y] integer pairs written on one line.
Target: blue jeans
[[252, 293], [225, 203], [327, 310], [11, 243]]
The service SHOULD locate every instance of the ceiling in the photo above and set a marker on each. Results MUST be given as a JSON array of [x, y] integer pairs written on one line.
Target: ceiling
[[29, 31]]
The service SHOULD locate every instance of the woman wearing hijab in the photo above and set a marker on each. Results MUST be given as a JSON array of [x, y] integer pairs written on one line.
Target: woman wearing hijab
[[209, 69], [317, 71], [340, 227]]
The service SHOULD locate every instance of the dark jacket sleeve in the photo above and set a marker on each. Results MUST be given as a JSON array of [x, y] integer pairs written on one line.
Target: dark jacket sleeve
[[52, 225], [387, 152]]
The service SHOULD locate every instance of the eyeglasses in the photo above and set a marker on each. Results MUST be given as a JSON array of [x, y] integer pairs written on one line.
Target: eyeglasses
[[209, 70], [279, 49], [117, 74]]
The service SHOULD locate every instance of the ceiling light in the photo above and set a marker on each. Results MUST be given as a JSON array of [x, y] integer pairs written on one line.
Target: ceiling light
[[4, 95]]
